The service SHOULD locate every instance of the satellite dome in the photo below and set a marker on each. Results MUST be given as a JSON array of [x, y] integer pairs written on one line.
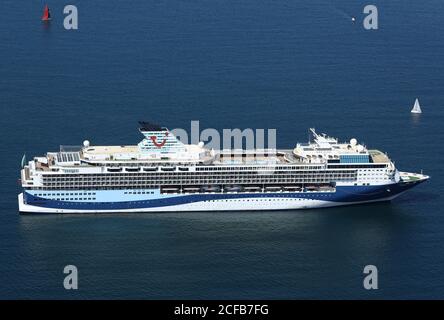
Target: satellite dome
[[360, 148], [353, 142], [86, 143], [201, 144]]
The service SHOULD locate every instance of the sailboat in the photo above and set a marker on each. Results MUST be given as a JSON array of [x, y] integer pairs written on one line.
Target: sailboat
[[416, 107], [46, 14]]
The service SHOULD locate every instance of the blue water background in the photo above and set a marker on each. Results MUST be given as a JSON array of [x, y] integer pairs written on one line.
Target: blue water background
[[288, 65]]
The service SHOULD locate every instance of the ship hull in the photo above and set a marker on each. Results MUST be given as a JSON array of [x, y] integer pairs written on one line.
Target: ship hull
[[236, 201]]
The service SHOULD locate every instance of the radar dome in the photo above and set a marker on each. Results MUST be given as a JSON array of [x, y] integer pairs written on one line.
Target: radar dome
[[360, 148], [86, 143], [201, 144], [353, 142]]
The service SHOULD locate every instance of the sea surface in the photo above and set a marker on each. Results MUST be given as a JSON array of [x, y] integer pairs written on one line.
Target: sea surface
[[288, 65]]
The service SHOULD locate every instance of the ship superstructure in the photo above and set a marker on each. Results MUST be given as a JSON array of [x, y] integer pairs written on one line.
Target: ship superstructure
[[163, 174]]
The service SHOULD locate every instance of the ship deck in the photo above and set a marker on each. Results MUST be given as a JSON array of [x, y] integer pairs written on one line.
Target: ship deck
[[378, 156], [109, 150]]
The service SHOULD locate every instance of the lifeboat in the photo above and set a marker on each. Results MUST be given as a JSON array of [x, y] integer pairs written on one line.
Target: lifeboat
[[273, 189], [252, 189], [233, 188], [210, 188], [150, 169]]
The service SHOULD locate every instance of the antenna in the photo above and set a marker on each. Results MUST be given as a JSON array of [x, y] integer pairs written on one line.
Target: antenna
[[313, 131]]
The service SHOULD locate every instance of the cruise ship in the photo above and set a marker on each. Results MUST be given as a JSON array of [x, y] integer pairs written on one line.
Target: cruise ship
[[162, 174]]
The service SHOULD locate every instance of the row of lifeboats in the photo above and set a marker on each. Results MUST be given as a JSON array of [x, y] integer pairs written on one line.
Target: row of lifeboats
[[146, 169], [237, 188]]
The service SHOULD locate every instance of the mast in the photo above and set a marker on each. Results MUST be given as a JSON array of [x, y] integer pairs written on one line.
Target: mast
[[313, 131]]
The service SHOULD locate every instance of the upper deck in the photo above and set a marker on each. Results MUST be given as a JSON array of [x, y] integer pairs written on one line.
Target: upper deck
[[378, 156], [161, 147], [161, 158], [327, 149]]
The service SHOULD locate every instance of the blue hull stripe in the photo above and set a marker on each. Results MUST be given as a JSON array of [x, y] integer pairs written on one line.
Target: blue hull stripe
[[343, 194]]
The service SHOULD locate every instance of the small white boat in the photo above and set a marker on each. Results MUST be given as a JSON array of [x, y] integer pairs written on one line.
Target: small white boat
[[416, 107]]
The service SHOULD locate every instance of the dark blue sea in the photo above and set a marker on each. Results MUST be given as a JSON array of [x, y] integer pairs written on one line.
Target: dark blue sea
[[288, 65]]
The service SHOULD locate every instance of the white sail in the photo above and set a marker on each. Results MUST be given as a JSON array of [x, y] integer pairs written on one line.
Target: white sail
[[416, 107]]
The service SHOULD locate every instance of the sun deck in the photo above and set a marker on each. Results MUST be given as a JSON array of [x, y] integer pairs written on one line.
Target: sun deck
[[378, 156], [110, 150]]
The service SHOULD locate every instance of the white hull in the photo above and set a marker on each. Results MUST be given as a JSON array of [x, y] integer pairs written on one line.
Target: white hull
[[245, 204]]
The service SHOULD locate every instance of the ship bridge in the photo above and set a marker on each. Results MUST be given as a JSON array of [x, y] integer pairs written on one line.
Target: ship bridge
[[325, 149]]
